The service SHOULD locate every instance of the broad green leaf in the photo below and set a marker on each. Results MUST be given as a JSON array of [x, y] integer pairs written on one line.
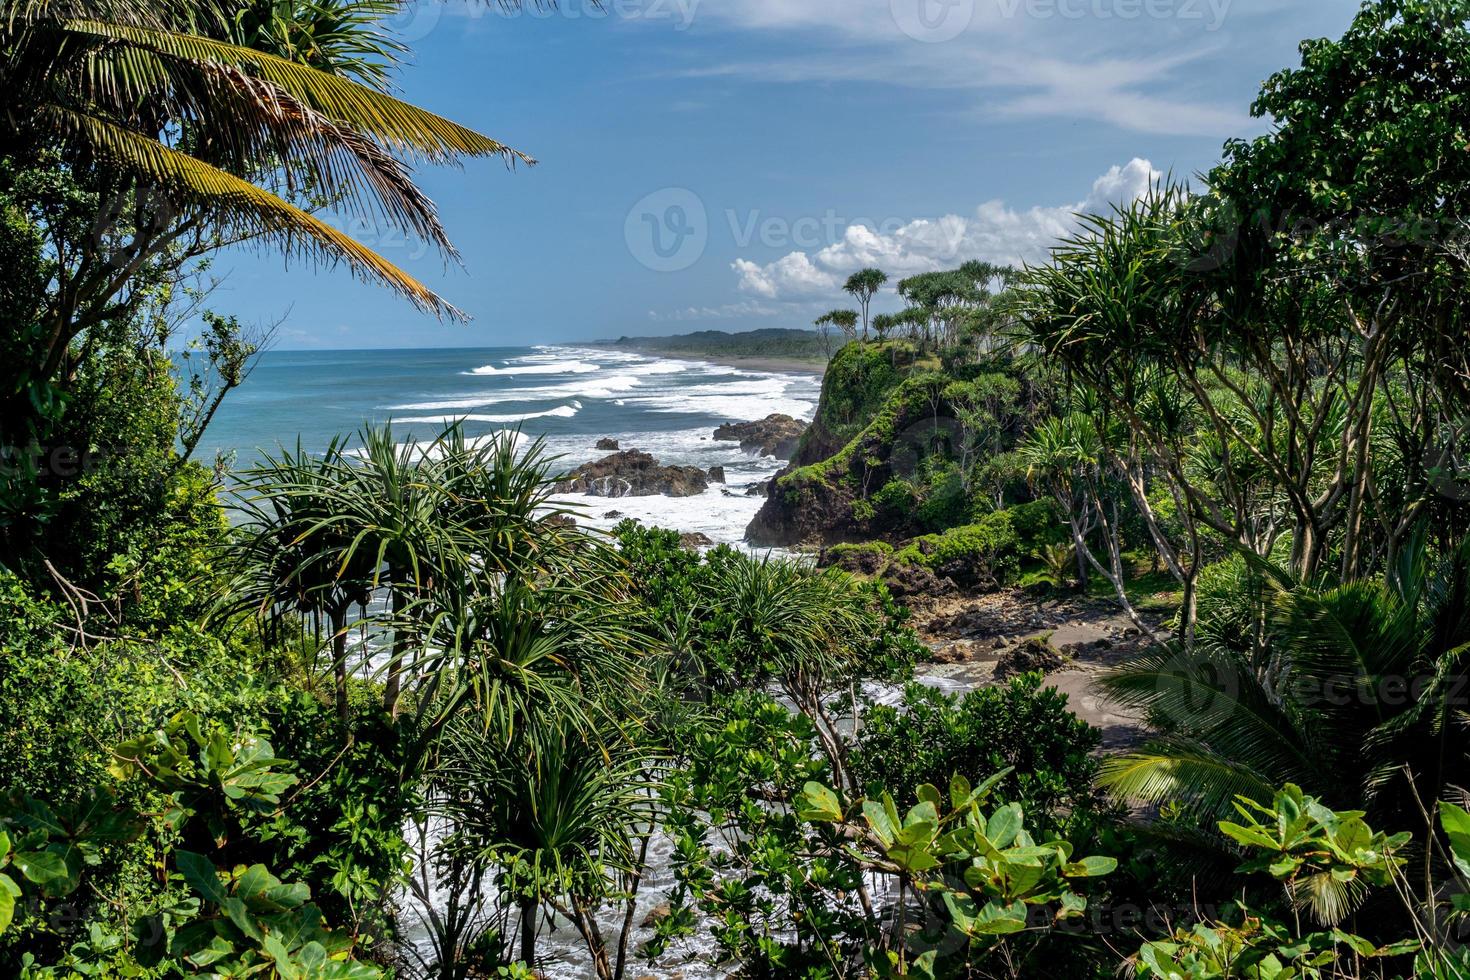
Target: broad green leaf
[[1093, 866], [959, 792], [818, 804], [200, 873], [1456, 824], [1004, 825], [1248, 836], [44, 868], [883, 825], [9, 892]]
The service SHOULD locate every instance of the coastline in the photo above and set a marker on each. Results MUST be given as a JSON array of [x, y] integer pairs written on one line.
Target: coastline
[[779, 365]]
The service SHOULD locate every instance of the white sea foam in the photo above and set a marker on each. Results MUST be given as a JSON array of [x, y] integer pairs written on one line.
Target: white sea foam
[[600, 387], [555, 367], [738, 400], [723, 518], [561, 412]]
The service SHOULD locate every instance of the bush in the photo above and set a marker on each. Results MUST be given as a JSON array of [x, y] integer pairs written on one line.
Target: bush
[[1038, 524], [895, 499], [946, 503], [931, 736]]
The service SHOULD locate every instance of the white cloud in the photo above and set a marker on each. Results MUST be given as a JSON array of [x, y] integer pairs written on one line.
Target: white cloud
[[1134, 64], [792, 275], [994, 232]]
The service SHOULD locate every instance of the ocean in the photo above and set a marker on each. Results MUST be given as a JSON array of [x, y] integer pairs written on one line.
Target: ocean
[[567, 395]]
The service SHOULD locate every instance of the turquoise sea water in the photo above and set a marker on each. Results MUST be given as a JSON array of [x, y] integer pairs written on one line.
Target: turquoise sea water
[[569, 396]]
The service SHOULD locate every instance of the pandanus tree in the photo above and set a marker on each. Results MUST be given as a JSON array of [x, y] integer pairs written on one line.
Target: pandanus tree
[[844, 320], [798, 627], [557, 814], [1068, 457], [863, 285], [1354, 692], [292, 557], [883, 323]]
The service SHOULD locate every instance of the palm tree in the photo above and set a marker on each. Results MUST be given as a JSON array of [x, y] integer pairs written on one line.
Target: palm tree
[[558, 814], [863, 286], [1353, 692], [181, 125]]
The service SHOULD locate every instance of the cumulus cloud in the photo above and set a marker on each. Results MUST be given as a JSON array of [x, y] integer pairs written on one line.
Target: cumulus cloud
[[993, 232], [790, 276]]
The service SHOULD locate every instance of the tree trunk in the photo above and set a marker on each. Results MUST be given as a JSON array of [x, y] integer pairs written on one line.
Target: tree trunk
[[393, 686], [339, 659], [528, 932]]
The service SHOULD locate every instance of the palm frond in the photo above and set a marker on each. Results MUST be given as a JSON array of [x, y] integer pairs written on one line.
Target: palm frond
[[396, 123], [1175, 770], [240, 203]]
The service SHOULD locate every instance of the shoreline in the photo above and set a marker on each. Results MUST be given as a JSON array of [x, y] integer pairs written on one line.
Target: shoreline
[[778, 365]]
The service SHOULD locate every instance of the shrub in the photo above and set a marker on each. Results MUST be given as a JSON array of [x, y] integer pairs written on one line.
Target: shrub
[[1038, 524], [895, 499], [946, 503], [931, 736]]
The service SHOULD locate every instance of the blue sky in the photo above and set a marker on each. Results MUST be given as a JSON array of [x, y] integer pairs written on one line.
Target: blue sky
[[722, 163]]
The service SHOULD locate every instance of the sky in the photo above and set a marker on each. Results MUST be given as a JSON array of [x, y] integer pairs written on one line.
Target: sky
[[724, 164]]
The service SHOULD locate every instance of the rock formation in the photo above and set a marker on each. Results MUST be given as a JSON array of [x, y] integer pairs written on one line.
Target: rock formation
[[774, 435], [633, 473]]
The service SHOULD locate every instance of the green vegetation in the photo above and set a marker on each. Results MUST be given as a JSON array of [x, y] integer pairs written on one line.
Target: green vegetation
[[768, 342], [395, 718]]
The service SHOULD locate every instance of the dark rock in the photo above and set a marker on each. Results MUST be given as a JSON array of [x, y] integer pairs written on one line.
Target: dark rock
[[974, 574], [657, 914], [774, 435], [758, 489], [561, 520], [808, 512], [608, 445], [907, 581], [1028, 656], [857, 561], [633, 473], [717, 474], [612, 515], [694, 540]]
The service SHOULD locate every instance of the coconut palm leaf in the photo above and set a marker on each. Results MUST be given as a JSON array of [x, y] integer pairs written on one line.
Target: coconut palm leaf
[[1174, 769], [240, 204], [397, 123]]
